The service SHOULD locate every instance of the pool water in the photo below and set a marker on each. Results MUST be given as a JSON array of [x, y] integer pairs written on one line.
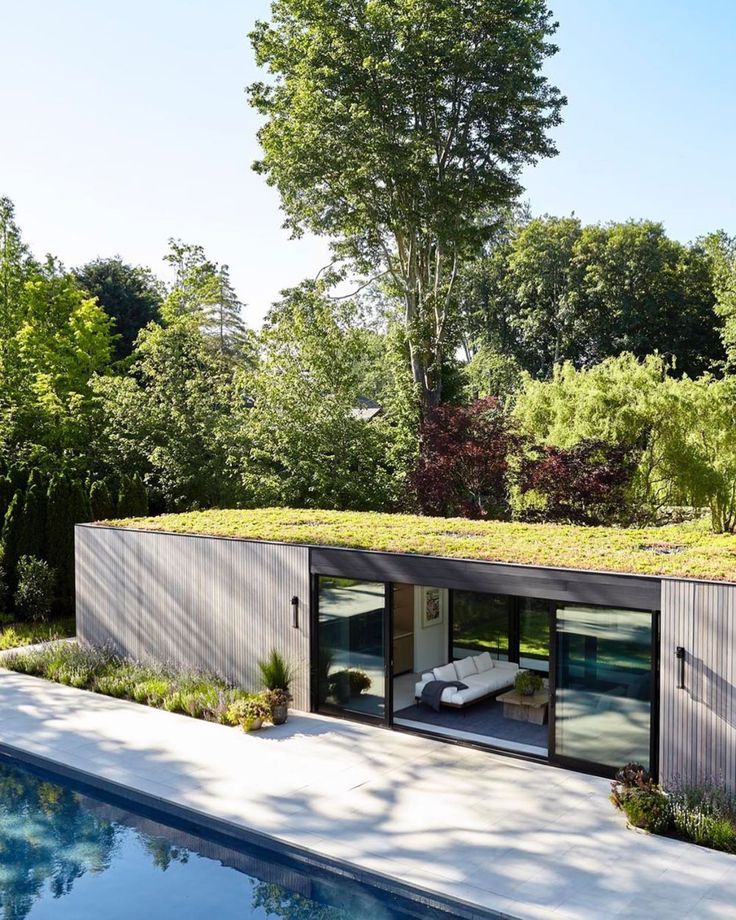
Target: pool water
[[67, 854]]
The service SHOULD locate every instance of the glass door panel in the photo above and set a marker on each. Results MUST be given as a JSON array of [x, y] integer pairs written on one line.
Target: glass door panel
[[351, 661], [603, 693]]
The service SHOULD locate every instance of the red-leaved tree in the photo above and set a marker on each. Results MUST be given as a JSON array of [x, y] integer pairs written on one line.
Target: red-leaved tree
[[463, 464], [585, 484]]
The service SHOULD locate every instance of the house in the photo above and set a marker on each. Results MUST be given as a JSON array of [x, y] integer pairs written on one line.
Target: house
[[633, 637]]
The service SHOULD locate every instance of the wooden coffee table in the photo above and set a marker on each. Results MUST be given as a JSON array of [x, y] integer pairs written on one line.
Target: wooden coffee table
[[525, 708]]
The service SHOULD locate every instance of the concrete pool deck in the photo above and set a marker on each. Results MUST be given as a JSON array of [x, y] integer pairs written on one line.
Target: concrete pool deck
[[520, 838]]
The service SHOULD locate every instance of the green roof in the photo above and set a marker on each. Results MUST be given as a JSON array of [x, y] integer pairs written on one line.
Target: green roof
[[683, 550]]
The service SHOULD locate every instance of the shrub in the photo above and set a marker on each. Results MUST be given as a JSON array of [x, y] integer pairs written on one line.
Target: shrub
[[277, 674], [706, 814], [278, 698], [644, 803], [248, 712], [34, 595]]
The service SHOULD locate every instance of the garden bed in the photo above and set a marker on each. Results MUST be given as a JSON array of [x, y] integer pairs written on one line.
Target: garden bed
[[101, 670]]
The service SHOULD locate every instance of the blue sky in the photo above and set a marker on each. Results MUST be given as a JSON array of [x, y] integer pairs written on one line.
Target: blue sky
[[123, 124]]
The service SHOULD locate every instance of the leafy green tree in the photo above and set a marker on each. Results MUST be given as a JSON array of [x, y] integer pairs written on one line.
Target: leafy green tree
[[101, 501], [129, 294], [703, 460], [34, 595], [6, 495], [621, 401], [170, 416], [304, 443], [651, 293], [395, 127], [721, 249], [550, 315]]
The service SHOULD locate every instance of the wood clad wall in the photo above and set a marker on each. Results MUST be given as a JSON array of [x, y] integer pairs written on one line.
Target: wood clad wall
[[202, 602], [698, 724]]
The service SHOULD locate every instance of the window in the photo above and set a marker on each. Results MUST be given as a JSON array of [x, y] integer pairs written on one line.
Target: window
[[481, 623]]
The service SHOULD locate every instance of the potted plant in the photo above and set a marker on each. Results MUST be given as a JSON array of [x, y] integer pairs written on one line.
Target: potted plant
[[278, 700], [527, 683], [277, 675], [359, 681], [250, 713]]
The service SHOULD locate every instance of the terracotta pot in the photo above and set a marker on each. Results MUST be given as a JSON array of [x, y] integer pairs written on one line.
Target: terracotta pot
[[253, 725], [279, 714]]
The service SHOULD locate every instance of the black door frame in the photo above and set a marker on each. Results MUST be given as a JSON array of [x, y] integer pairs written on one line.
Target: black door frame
[[329, 709], [587, 766], [387, 719]]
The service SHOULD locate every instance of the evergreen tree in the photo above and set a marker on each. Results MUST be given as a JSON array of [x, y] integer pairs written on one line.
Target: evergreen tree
[[101, 502], [6, 495], [133, 499], [60, 537], [33, 525], [11, 537]]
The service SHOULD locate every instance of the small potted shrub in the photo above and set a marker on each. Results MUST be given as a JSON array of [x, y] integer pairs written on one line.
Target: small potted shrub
[[249, 714], [278, 700], [643, 801], [358, 681], [527, 683]]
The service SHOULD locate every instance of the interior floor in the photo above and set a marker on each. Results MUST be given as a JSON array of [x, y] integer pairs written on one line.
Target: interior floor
[[482, 722]]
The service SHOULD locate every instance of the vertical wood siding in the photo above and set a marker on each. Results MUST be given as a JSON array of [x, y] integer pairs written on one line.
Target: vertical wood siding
[[698, 724], [201, 602]]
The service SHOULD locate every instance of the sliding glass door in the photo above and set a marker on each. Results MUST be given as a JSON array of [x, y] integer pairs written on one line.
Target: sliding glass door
[[351, 658], [604, 684]]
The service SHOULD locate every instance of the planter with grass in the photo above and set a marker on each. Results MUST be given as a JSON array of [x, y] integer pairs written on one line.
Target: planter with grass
[[527, 683], [277, 675]]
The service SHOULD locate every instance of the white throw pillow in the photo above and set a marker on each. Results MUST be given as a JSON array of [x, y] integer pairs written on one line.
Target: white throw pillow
[[465, 667], [446, 672], [483, 662]]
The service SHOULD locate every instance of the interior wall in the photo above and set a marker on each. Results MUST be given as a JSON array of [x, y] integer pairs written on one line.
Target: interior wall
[[430, 641]]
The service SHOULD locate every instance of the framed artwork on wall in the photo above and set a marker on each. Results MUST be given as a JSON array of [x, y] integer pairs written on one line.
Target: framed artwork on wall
[[432, 607]]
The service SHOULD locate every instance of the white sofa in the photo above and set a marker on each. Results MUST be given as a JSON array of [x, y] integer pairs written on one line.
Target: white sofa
[[483, 675]]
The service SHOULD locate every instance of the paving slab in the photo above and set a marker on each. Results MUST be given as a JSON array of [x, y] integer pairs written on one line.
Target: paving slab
[[521, 838]]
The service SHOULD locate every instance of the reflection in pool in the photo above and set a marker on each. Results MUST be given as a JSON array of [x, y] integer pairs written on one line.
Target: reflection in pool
[[71, 856]]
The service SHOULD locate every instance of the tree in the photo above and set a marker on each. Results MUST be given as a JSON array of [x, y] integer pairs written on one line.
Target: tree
[[721, 250], [703, 450], [652, 294], [101, 501], [397, 129], [304, 444], [11, 540], [16, 265], [32, 539], [464, 459], [129, 294], [622, 402], [169, 416], [585, 484], [550, 316], [203, 290], [68, 505], [133, 498]]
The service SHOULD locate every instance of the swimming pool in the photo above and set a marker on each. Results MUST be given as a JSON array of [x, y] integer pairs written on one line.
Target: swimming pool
[[70, 853]]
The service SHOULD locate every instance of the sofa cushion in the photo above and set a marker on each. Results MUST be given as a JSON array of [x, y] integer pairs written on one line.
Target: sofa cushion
[[463, 697], [446, 672], [483, 662], [465, 667]]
